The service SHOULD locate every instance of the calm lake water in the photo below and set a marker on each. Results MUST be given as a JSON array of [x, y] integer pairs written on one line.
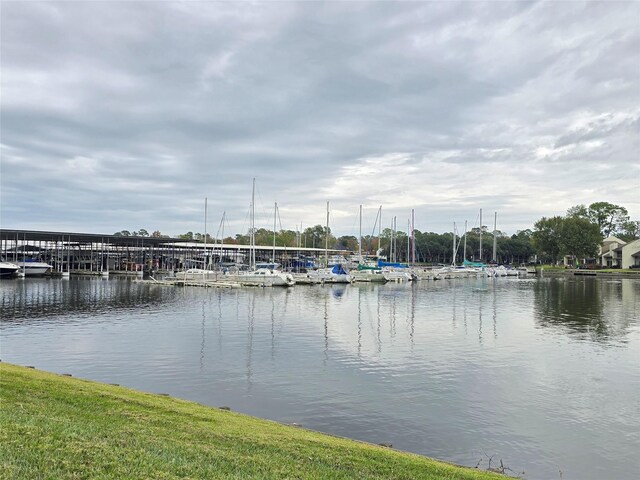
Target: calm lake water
[[541, 373]]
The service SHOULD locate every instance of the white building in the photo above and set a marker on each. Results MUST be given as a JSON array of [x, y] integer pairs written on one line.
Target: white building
[[610, 252], [631, 254]]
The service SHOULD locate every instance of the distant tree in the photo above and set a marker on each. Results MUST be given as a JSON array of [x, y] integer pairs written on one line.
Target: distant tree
[[432, 247], [526, 233], [123, 233], [142, 233], [158, 234], [571, 235], [580, 211], [519, 247], [579, 237], [315, 236], [370, 244], [630, 230], [287, 238], [242, 239], [347, 242], [547, 238], [264, 236], [609, 217], [186, 236]]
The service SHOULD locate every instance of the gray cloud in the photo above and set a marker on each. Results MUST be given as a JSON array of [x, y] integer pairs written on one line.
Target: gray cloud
[[126, 115]]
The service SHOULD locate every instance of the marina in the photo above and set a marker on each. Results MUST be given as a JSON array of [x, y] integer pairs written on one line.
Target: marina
[[95, 254], [64, 254]]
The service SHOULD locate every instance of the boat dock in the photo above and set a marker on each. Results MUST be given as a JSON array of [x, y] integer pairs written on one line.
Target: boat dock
[[101, 254]]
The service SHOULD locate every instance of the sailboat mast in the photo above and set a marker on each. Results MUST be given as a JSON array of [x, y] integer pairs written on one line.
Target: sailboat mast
[[360, 238], [464, 252], [326, 240], [413, 237], [408, 238], [206, 263], [275, 213], [480, 234], [395, 239], [222, 237], [453, 254], [252, 247], [379, 228], [391, 242], [495, 245]]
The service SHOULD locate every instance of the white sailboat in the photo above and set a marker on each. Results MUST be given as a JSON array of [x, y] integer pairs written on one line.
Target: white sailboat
[[265, 277]]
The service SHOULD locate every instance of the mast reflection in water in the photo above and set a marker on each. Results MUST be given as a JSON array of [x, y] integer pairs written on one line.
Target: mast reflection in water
[[543, 374]]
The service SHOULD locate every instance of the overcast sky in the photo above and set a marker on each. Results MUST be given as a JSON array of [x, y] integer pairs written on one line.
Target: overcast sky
[[126, 115]]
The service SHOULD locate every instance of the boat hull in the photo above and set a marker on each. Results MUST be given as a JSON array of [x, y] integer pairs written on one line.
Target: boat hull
[[8, 270], [33, 269]]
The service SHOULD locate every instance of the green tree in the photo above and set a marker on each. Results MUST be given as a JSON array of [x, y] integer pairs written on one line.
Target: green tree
[[557, 236], [348, 242], [123, 233], [580, 211], [547, 238], [579, 237], [516, 249], [609, 217], [287, 238], [314, 237], [630, 230]]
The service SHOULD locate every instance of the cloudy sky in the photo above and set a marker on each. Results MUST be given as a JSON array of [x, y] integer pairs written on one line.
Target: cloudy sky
[[126, 115]]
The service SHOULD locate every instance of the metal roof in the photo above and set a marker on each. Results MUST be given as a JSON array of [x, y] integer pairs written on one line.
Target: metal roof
[[43, 236], [75, 237]]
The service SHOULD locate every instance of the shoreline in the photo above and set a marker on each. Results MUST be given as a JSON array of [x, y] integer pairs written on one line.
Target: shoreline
[[574, 272]]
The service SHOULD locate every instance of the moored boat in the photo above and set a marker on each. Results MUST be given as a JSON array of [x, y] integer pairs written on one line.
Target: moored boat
[[32, 268], [368, 274], [263, 277], [392, 274], [198, 274], [335, 274], [8, 269]]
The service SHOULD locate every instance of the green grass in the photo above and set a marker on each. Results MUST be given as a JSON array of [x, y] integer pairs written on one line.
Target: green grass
[[56, 427]]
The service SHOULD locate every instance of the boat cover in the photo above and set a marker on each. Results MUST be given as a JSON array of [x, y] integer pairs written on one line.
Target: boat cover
[[338, 270]]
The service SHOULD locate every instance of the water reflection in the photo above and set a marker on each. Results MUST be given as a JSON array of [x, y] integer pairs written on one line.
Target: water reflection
[[588, 308], [24, 300], [446, 368]]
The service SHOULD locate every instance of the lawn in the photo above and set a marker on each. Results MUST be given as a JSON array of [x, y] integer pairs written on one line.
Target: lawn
[[57, 427]]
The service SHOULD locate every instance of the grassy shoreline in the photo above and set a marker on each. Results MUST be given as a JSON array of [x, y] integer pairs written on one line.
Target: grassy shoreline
[[53, 426]]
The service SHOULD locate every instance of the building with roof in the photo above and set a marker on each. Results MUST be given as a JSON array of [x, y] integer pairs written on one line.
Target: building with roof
[[610, 252], [631, 255]]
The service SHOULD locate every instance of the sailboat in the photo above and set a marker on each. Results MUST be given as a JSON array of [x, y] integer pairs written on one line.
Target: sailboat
[[335, 273], [263, 277], [367, 272]]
